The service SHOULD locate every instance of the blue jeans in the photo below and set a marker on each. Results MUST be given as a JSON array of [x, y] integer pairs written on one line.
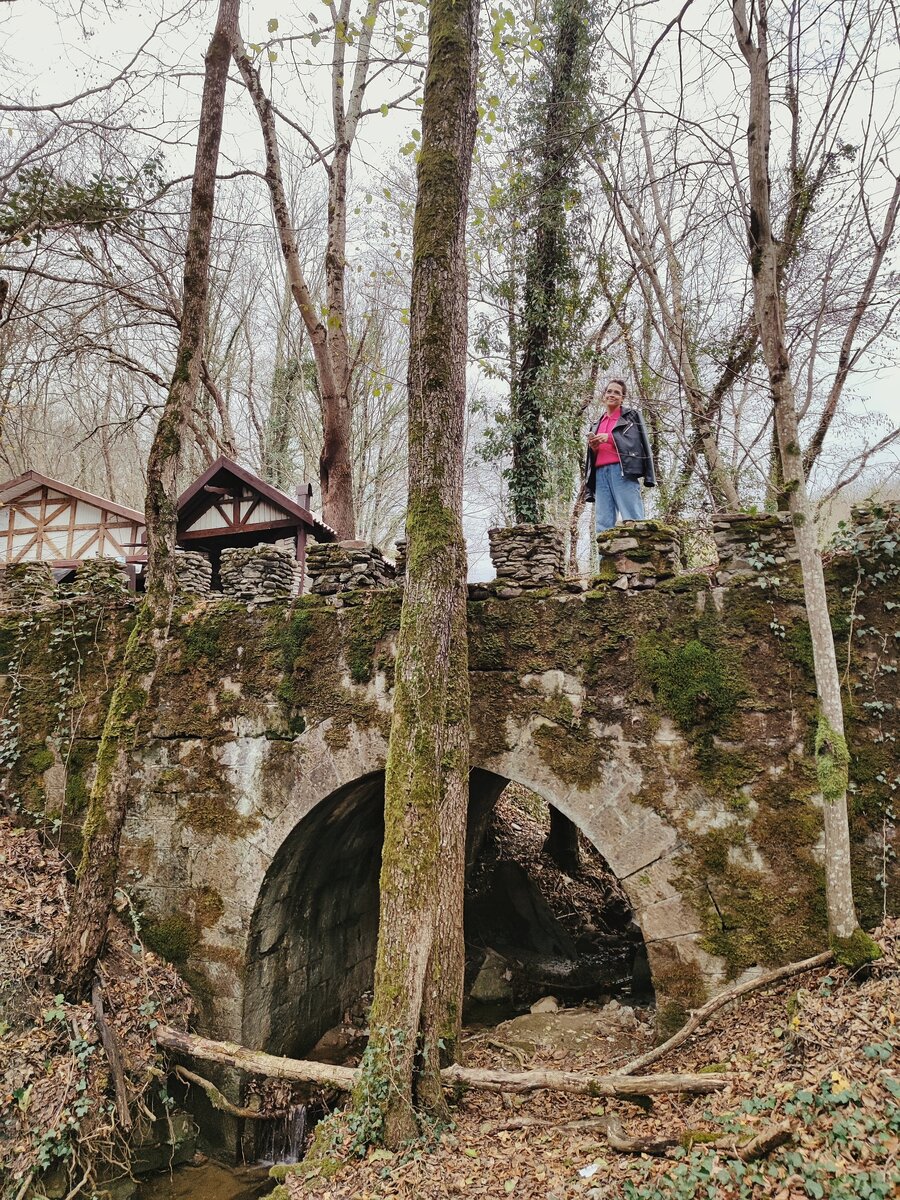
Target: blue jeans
[[613, 493]]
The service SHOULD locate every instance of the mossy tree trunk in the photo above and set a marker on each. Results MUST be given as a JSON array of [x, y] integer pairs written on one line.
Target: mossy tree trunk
[[831, 748], [559, 126], [415, 1017], [81, 941]]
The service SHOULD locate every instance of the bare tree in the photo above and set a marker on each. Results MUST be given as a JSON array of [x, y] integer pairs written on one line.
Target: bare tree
[[832, 757], [677, 190], [326, 324], [80, 943]]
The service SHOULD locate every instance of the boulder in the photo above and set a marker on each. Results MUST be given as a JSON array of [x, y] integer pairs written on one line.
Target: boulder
[[493, 983]]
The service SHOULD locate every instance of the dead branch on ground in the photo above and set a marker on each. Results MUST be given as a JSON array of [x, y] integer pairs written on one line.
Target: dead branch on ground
[[703, 1014], [257, 1062]]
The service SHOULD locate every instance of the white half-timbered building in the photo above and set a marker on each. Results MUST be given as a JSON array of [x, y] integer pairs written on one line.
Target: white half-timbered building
[[43, 520]]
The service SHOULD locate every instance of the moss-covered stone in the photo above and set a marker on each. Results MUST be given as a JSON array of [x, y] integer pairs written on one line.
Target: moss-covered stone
[[757, 918], [9, 633], [208, 634], [208, 906], [38, 760], [696, 683], [206, 798], [713, 712], [856, 951], [172, 938], [576, 756], [78, 763]]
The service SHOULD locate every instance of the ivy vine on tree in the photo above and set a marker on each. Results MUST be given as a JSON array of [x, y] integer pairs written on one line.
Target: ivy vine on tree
[[558, 127]]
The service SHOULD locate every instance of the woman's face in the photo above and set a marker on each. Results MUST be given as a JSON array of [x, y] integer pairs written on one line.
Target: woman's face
[[613, 396]]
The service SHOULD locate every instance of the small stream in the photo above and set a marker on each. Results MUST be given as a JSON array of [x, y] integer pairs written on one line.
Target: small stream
[[211, 1181], [279, 1141]]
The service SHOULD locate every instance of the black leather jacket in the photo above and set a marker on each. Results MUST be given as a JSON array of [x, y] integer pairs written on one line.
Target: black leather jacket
[[633, 445]]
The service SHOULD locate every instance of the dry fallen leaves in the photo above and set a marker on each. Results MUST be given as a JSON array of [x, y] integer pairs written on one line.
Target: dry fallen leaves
[[778, 1042]]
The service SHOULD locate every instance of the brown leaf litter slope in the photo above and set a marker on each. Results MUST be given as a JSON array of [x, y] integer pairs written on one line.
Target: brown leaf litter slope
[[57, 1103], [818, 1053]]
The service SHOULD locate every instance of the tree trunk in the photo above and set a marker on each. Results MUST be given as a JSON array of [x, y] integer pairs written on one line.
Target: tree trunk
[[335, 470], [559, 129], [81, 941], [831, 748], [418, 970]]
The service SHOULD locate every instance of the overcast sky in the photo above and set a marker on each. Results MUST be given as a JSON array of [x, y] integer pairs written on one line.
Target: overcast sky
[[55, 50]]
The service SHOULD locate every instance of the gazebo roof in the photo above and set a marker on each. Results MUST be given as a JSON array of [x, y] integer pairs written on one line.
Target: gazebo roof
[[216, 506], [22, 484]]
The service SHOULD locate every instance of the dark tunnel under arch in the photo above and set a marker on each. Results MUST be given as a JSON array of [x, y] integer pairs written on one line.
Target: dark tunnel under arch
[[313, 933]]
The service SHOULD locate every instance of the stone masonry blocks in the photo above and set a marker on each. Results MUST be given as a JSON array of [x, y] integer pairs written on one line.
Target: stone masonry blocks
[[344, 566], [193, 570], [263, 572], [750, 544], [527, 556], [637, 554]]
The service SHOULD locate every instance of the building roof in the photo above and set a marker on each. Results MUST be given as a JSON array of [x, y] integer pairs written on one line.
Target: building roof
[[224, 473], [28, 480]]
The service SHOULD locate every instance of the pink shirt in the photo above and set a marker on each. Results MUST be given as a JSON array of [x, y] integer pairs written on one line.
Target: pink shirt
[[607, 452]]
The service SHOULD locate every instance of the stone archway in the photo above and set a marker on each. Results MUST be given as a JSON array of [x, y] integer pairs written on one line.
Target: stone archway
[[313, 930], [640, 843], [310, 949]]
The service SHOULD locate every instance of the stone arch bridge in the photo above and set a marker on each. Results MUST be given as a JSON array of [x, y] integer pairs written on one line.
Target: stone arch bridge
[[672, 723]]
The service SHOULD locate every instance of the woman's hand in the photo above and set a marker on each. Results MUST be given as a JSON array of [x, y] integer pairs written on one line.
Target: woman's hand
[[597, 439]]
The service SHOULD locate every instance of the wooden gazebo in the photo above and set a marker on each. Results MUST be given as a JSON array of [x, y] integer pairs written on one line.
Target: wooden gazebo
[[230, 506]]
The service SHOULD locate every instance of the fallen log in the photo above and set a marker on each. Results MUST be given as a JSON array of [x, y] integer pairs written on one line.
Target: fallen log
[[769, 1138], [257, 1062], [712, 1006], [622, 1086]]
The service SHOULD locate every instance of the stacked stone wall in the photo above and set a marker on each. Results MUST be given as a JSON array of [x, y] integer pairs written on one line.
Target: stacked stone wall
[[751, 544], [253, 573], [344, 566], [100, 576], [400, 560], [526, 556], [27, 585], [638, 554], [193, 572]]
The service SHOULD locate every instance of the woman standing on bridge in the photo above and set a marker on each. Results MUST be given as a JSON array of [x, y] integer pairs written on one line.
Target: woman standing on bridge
[[618, 457]]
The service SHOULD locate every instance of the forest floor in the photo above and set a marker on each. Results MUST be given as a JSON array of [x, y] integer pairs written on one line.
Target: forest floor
[[58, 1117], [818, 1052]]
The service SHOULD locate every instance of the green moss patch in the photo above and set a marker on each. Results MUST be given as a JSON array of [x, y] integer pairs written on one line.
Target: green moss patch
[[208, 636], [172, 938], [697, 684], [756, 918], [575, 754], [856, 951]]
